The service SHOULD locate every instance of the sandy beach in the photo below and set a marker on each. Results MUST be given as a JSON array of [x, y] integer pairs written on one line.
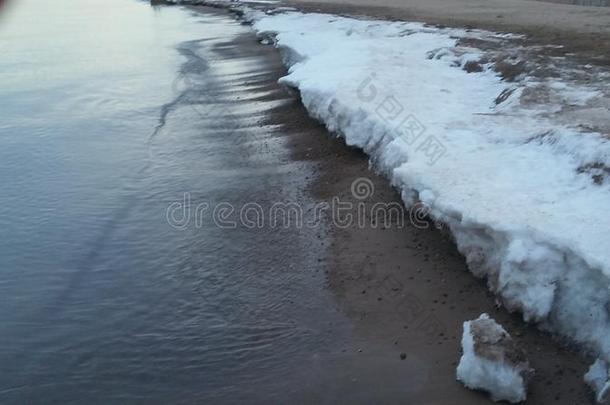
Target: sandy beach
[[228, 204], [407, 290]]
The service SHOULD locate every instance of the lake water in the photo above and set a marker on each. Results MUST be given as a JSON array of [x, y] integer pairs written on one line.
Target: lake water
[[107, 119]]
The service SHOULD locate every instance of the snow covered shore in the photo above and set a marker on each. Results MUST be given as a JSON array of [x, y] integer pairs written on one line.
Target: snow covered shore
[[524, 194]]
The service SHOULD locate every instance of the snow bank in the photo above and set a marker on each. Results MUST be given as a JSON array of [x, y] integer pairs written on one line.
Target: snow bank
[[598, 378], [519, 191], [491, 361]]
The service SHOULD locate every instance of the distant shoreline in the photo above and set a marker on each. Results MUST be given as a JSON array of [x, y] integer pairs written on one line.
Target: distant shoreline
[[580, 29]]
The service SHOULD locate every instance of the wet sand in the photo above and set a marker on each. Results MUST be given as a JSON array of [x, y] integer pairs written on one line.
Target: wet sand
[[405, 290], [408, 291], [581, 29]]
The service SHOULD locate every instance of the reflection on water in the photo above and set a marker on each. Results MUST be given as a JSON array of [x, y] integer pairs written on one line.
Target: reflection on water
[[101, 299]]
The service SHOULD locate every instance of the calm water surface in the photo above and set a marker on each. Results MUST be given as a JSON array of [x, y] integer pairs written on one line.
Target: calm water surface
[[100, 299]]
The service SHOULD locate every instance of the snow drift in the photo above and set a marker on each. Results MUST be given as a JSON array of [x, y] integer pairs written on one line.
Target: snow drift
[[523, 194]]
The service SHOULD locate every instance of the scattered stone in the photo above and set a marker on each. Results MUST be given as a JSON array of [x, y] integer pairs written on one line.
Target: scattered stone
[[598, 378], [492, 362], [509, 71], [472, 66], [403, 356]]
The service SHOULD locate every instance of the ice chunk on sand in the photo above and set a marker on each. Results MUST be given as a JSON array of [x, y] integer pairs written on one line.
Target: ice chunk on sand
[[492, 362], [598, 378]]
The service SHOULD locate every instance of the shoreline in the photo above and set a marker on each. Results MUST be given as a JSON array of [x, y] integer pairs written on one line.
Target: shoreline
[[375, 272]]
